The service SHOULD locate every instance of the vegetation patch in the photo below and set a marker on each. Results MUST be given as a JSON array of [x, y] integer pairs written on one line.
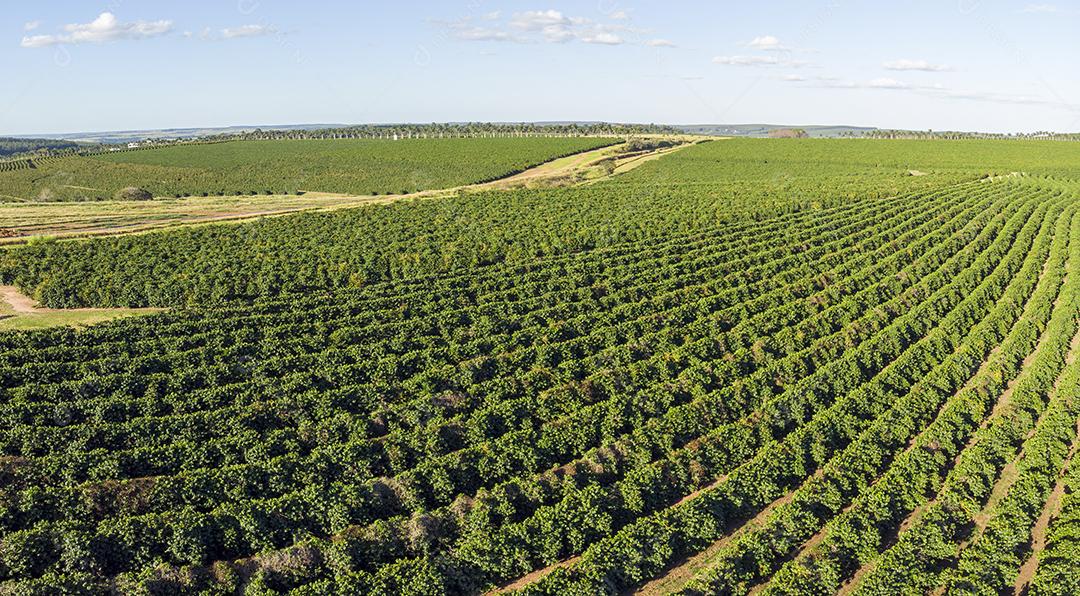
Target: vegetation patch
[[240, 168]]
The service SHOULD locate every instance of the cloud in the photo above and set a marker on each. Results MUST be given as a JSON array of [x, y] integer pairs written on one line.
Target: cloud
[[881, 83], [793, 78], [922, 65], [240, 32], [938, 91], [247, 31], [887, 83], [619, 15], [492, 16], [746, 60], [767, 43], [471, 33], [550, 26], [540, 20], [758, 61], [102, 29], [993, 97], [465, 30], [1041, 9], [602, 38], [660, 43], [31, 25]]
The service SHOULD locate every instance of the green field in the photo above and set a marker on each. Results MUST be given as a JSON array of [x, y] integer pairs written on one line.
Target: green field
[[767, 366], [694, 188], [348, 166]]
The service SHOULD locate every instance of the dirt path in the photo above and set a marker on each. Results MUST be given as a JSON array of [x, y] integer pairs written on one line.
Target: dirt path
[[20, 312], [22, 304], [1042, 525], [676, 577], [1008, 475], [19, 302], [1053, 503], [996, 411], [534, 576]]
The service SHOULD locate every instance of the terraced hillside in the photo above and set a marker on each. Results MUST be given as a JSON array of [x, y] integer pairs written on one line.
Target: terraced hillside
[[864, 396]]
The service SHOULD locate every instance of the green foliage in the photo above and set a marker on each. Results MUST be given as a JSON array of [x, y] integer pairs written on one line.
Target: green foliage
[[576, 389], [696, 188], [350, 166], [9, 146]]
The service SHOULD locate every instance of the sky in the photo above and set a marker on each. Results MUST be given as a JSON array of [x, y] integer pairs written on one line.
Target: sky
[[79, 65]]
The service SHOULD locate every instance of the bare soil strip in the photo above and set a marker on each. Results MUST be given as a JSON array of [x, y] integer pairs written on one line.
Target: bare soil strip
[[19, 311], [683, 571], [535, 576], [20, 303], [1053, 504], [996, 411], [1009, 473]]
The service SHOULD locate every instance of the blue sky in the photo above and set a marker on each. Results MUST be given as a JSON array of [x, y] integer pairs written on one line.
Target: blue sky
[[947, 64]]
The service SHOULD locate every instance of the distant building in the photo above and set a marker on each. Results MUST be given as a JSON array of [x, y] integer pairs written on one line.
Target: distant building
[[133, 145]]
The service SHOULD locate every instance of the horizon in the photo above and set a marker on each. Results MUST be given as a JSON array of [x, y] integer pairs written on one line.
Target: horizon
[[148, 65], [341, 125]]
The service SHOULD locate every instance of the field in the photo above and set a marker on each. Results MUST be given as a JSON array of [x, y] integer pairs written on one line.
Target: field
[[745, 366], [23, 221], [349, 166], [698, 186]]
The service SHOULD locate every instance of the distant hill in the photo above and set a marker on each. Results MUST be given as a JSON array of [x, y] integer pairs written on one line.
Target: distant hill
[[11, 145], [127, 136], [763, 130]]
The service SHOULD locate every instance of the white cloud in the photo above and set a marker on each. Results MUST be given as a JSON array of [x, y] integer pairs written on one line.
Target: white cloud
[[102, 29], [247, 31], [471, 33], [660, 43], [887, 83], [746, 60], [1041, 9], [993, 97], [31, 25], [602, 38], [793, 78], [551, 26], [492, 16], [922, 65], [768, 43], [938, 91], [538, 20], [619, 15], [758, 61], [38, 41], [557, 33]]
